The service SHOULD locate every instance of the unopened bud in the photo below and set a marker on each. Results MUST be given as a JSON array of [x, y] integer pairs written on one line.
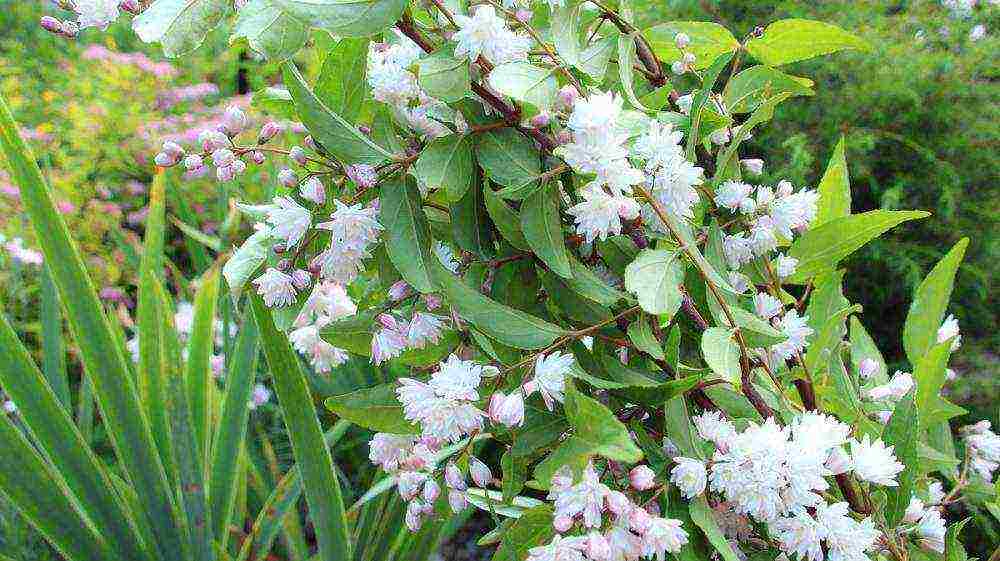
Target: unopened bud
[[51, 24], [453, 477], [540, 120], [784, 188], [688, 59], [457, 501], [279, 248], [284, 264], [642, 478], [431, 491], [523, 16], [678, 68], [270, 130], [480, 472], [562, 523], [130, 6], [287, 178], [223, 157], [564, 137], [235, 120], [363, 175], [312, 190], [298, 155], [212, 140], [867, 368], [398, 290], [301, 279], [682, 40], [432, 301], [225, 173], [257, 157], [753, 166], [164, 160], [567, 95], [193, 163], [310, 143], [174, 149], [414, 515]]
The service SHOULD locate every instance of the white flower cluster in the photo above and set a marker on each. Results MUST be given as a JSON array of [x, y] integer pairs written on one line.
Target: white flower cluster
[[327, 302], [411, 461], [486, 34], [984, 449], [776, 475], [772, 213], [397, 335], [445, 406], [927, 525], [631, 531]]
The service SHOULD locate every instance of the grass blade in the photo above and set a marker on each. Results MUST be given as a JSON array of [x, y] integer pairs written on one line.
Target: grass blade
[[53, 353], [230, 438], [34, 488], [326, 505], [199, 370], [54, 432], [128, 428], [191, 475]]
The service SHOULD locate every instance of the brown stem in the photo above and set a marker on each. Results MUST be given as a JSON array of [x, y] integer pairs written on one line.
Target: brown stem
[[688, 307], [654, 71]]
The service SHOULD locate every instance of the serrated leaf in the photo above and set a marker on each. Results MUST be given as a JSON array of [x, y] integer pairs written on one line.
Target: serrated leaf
[[532, 85], [470, 223], [508, 158], [542, 229], [791, 40], [903, 433], [532, 529], [515, 472], [820, 249], [721, 353], [407, 234], [586, 283], [597, 425], [930, 303], [708, 41], [655, 277], [269, 30], [375, 408], [443, 76], [834, 188], [752, 86], [179, 25], [756, 332], [641, 334], [338, 137], [505, 324], [346, 18], [929, 375], [446, 163]]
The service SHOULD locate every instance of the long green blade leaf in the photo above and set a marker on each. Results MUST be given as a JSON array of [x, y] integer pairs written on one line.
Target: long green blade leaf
[[103, 360], [200, 347], [53, 354], [326, 505]]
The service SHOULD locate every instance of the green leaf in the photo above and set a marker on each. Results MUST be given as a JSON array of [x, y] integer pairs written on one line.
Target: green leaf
[[179, 25], [52, 428], [508, 158], [341, 83], [506, 219], [567, 301], [374, 408], [638, 386], [626, 58], [542, 228], [534, 86], [699, 101], [834, 189], [201, 345], [862, 347], [246, 260], [953, 548], [275, 101], [507, 325], [930, 303], [708, 41], [641, 334], [791, 40], [269, 30], [752, 86], [102, 357], [190, 461], [586, 283], [346, 18], [565, 30], [470, 224], [594, 59], [820, 249], [756, 332], [655, 277], [596, 425], [53, 354], [407, 234], [677, 426], [903, 433], [338, 137], [721, 353], [446, 163], [532, 529], [515, 472], [230, 436], [326, 506], [704, 517], [929, 375], [443, 76]]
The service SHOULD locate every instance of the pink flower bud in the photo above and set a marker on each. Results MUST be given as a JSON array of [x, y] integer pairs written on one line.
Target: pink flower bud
[[431, 491], [480, 472], [234, 120], [284, 265], [562, 523], [363, 175], [678, 67], [867, 368], [567, 95], [398, 290], [510, 410], [432, 301], [164, 160], [564, 137], [496, 402], [298, 155], [619, 504], [193, 163], [225, 173], [310, 143], [388, 321], [453, 477], [270, 130], [753, 166], [457, 501], [642, 478], [312, 190], [639, 520], [540, 120], [211, 140], [523, 16], [414, 515], [682, 40], [51, 24], [688, 59], [784, 188], [287, 178], [257, 157], [239, 166], [223, 157], [70, 29], [130, 6], [301, 279]]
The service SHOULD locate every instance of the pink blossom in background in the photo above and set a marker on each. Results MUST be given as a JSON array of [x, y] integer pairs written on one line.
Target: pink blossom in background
[[194, 92], [138, 60], [115, 294], [135, 188], [15, 248], [66, 207], [137, 217]]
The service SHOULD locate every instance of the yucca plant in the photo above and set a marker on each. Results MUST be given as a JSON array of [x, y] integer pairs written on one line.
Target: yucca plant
[[180, 473]]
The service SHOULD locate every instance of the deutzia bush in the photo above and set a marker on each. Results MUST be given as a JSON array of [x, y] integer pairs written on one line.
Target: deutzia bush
[[542, 212]]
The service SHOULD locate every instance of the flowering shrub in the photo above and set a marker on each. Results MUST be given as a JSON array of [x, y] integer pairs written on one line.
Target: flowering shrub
[[505, 200]]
